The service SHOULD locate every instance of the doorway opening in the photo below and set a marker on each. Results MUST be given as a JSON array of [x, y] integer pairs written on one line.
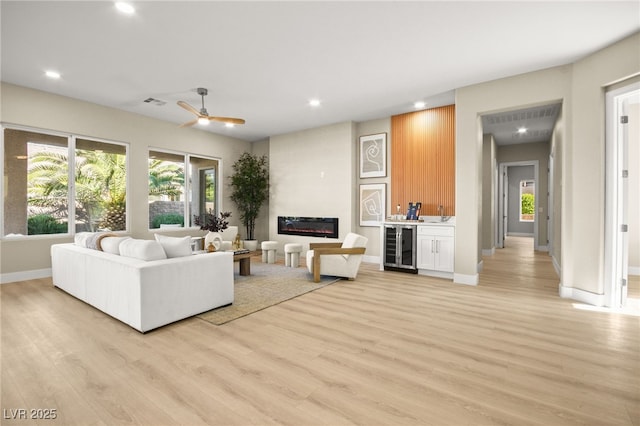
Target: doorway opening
[[517, 195], [622, 212]]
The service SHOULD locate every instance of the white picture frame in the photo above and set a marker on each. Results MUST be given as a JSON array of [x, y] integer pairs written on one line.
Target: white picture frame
[[372, 204], [373, 155]]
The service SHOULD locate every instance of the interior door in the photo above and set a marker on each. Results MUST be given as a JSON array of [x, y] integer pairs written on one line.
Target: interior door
[[623, 199], [619, 121], [503, 203]]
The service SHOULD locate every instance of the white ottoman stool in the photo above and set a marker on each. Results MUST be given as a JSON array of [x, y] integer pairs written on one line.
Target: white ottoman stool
[[269, 249], [292, 254]]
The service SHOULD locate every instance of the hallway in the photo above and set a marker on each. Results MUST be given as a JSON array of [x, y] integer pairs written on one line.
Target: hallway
[[526, 269], [518, 268]]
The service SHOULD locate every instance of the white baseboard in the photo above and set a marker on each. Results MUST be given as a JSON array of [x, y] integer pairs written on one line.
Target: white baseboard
[[25, 275], [371, 259], [465, 279], [480, 266], [581, 295], [489, 252], [634, 270], [519, 234], [542, 248]]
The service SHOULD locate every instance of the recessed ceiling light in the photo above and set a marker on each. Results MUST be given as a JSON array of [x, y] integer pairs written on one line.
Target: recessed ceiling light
[[419, 104], [125, 8], [522, 130], [314, 102], [52, 74]]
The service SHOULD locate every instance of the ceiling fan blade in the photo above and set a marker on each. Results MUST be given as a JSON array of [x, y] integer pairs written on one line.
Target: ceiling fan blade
[[189, 108], [230, 120], [189, 123]]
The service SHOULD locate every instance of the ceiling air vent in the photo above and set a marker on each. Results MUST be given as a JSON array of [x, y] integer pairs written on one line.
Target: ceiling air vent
[[156, 102]]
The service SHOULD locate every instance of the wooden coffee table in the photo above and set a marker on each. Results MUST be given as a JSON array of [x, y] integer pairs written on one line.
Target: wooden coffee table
[[245, 261]]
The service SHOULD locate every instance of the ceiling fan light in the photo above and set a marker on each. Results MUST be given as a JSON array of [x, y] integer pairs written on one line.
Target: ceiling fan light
[[203, 121], [229, 125]]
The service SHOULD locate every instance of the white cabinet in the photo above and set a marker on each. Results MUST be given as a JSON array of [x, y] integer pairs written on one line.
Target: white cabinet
[[435, 248]]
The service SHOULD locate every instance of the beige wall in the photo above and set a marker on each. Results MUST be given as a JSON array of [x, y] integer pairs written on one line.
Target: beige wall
[[27, 107], [370, 128], [312, 173], [489, 191], [584, 180], [578, 151], [555, 210], [471, 102]]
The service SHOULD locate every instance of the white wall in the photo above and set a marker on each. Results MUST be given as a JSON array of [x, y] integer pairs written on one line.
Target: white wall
[[312, 173], [27, 107]]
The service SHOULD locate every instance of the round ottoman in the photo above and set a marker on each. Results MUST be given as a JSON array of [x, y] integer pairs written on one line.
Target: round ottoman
[[269, 249], [292, 254]]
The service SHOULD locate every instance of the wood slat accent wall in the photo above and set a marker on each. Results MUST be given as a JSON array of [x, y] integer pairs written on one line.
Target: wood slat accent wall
[[423, 160]]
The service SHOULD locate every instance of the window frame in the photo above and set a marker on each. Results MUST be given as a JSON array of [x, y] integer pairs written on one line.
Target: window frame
[[188, 191], [527, 183], [71, 170]]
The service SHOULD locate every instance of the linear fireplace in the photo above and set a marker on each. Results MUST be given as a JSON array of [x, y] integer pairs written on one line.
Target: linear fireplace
[[326, 227]]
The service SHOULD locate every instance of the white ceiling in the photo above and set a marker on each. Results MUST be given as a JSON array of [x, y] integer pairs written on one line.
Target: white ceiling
[[537, 122], [262, 61]]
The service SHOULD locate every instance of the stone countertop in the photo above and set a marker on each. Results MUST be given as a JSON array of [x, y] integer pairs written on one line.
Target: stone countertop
[[424, 221]]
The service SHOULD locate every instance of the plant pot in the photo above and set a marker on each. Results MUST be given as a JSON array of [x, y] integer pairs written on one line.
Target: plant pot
[[251, 245], [213, 237]]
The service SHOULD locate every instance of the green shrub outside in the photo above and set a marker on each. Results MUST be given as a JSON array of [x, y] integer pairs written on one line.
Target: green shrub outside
[[45, 224], [528, 204], [167, 219]]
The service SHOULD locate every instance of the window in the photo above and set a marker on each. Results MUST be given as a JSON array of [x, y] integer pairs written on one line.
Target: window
[[38, 196], [527, 201], [174, 200]]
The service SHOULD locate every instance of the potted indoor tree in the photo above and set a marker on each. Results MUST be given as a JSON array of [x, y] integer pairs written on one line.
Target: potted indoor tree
[[249, 190]]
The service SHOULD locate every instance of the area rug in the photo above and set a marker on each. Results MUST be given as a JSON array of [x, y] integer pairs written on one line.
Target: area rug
[[268, 285]]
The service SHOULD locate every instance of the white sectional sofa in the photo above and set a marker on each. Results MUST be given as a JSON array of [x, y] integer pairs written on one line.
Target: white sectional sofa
[[144, 294]]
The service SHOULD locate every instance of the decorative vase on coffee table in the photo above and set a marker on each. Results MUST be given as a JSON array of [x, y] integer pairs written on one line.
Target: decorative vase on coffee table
[[251, 245], [213, 237]]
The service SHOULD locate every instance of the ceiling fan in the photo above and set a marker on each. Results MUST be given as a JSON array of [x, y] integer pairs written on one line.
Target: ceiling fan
[[203, 116]]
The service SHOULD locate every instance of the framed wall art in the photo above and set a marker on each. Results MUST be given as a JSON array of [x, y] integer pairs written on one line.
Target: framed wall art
[[373, 155], [372, 204]]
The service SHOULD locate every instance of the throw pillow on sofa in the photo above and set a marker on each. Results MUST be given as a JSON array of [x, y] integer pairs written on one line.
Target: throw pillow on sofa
[[142, 249], [175, 246], [112, 244]]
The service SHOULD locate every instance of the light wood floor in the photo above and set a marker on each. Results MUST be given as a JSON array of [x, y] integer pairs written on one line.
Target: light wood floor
[[386, 349]]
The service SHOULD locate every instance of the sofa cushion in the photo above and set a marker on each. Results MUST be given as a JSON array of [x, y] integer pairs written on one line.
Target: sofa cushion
[[175, 246], [111, 244], [142, 249], [87, 239]]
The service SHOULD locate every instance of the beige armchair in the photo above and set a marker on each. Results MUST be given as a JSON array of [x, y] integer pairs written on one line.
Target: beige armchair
[[337, 259]]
